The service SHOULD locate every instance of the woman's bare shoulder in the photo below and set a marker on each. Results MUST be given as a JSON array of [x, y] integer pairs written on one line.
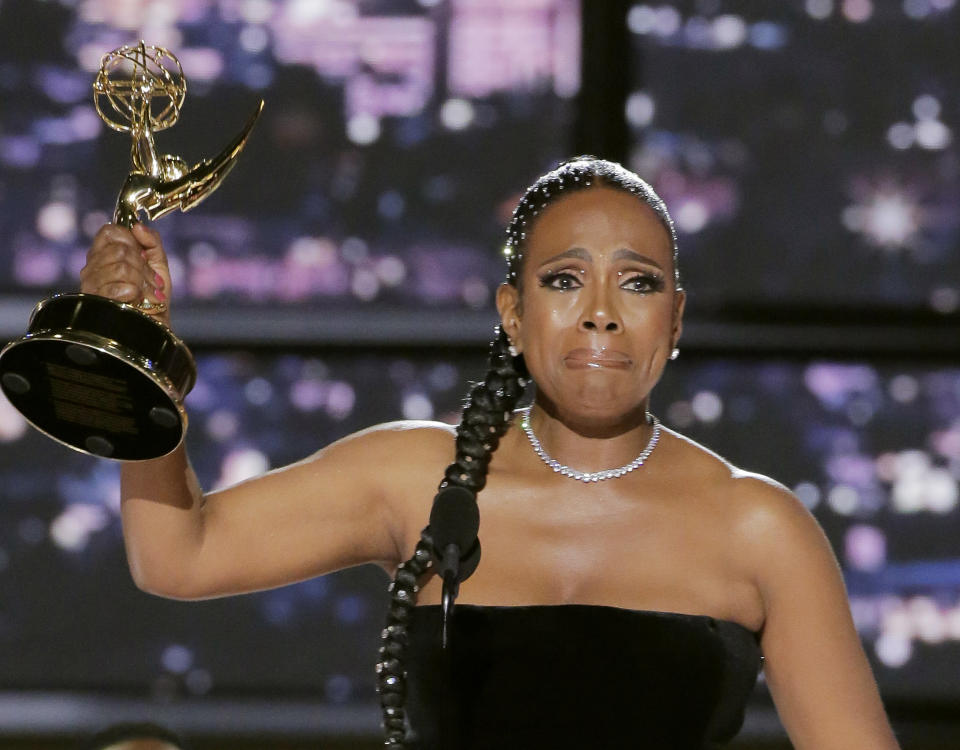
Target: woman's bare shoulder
[[768, 527], [390, 449], [751, 498], [412, 438]]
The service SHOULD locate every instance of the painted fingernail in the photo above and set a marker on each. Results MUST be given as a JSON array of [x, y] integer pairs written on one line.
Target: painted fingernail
[[160, 296], [158, 281]]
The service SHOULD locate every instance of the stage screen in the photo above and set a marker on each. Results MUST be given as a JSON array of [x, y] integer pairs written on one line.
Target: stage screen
[[873, 449], [808, 150], [395, 139]]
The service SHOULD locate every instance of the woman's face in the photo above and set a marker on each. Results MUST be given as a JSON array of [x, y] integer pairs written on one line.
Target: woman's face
[[599, 313]]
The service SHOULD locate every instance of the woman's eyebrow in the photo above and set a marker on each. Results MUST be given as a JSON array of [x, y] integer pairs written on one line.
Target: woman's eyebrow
[[583, 254], [634, 255], [573, 252]]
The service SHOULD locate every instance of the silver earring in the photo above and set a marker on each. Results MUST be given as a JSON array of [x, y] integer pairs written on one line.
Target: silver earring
[[513, 351], [675, 353]]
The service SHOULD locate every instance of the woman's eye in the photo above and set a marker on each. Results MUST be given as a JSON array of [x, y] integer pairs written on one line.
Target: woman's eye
[[562, 281], [642, 283]]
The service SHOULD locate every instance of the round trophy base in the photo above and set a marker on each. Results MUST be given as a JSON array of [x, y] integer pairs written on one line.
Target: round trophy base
[[101, 377]]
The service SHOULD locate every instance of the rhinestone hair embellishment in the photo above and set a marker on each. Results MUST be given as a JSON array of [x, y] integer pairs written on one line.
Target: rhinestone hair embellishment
[[595, 476]]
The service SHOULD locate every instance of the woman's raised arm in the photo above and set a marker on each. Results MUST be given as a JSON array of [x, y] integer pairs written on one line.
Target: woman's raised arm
[[338, 508]]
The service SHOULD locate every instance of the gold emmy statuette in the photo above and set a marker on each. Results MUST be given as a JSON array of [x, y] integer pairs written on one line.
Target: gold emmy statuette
[[105, 377]]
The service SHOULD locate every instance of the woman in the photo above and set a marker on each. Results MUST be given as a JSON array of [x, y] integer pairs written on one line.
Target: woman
[[628, 574]]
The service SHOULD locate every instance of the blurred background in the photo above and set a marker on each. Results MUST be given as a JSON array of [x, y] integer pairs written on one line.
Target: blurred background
[[344, 275]]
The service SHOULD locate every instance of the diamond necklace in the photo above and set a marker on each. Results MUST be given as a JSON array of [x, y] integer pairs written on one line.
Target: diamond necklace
[[585, 476]]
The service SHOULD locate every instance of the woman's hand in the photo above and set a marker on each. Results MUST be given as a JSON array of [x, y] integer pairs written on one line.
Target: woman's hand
[[128, 265]]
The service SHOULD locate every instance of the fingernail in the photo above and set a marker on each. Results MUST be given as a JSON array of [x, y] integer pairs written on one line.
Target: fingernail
[[160, 296], [158, 281]]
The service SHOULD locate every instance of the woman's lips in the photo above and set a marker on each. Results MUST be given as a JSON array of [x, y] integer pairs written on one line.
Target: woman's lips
[[583, 359]]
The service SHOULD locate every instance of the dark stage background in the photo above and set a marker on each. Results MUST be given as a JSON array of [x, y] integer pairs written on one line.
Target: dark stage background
[[344, 274]]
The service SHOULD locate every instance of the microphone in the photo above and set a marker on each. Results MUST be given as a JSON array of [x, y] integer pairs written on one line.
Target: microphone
[[454, 525]]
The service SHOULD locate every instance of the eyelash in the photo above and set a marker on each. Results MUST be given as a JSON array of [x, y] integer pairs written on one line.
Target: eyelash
[[550, 278], [651, 282]]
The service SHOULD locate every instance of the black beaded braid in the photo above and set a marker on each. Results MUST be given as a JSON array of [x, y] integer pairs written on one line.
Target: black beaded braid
[[487, 414], [484, 421]]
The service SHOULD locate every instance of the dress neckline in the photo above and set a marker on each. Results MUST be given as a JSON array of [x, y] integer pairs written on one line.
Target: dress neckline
[[570, 606]]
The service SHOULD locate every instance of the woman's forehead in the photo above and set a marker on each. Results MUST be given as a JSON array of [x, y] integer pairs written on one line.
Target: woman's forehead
[[600, 214]]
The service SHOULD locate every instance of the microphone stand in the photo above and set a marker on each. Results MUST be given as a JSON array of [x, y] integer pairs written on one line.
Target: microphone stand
[[453, 529], [451, 588]]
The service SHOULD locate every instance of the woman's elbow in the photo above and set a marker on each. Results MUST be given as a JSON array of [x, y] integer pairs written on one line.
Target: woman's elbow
[[164, 581]]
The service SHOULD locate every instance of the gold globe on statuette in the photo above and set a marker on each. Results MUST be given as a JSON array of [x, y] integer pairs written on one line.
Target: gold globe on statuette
[[105, 377]]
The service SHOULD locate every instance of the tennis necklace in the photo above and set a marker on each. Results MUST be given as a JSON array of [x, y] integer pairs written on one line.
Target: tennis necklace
[[586, 476]]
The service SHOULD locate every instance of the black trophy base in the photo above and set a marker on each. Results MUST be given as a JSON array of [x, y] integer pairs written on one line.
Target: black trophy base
[[100, 377]]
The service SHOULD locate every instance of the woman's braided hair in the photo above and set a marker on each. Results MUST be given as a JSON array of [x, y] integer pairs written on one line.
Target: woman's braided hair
[[488, 413]]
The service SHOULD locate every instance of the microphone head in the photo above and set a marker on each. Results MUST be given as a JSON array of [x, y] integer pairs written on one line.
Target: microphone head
[[454, 518]]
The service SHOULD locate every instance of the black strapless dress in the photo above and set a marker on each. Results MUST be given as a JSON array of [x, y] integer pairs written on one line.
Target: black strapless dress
[[577, 676]]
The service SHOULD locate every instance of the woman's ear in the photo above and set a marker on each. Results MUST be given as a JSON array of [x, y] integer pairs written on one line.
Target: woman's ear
[[679, 302], [508, 305]]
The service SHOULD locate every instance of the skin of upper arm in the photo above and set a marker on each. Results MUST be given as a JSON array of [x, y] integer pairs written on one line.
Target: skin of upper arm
[[341, 507], [814, 663]]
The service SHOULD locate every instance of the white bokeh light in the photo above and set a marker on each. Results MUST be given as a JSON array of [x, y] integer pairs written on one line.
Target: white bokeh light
[[241, 464], [57, 221], [12, 424], [707, 406], [176, 658], [456, 114], [928, 624], [640, 109], [363, 129], [843, 499], [819, 9], [904, 388], [365, 285], [691, 216], [808, 493], [893, 650], [888, 219], [933, 135], [729, 31], [417, 406], [901, 135], [926, 107]]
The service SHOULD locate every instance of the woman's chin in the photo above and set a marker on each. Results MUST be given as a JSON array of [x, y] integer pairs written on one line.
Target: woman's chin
[[597, 411]]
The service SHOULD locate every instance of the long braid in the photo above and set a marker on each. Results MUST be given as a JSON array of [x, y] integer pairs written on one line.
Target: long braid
[[484, 421]]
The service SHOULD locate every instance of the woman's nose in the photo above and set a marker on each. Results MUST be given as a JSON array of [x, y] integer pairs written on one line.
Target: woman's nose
[[600, 314]]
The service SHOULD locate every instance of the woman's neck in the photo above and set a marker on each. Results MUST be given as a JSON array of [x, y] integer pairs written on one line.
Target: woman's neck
[[589, 443]]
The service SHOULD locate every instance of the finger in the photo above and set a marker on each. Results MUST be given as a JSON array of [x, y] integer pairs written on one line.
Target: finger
[[148, 238], [113, 251], [151, 246], [122, 291], [113, 233], [116, 264], [156, 258], [132, 272], [113, 257]]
